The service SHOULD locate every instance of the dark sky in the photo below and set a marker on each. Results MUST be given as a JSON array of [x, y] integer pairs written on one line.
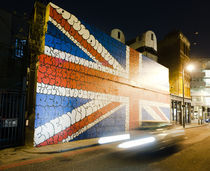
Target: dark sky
[[136, 17]]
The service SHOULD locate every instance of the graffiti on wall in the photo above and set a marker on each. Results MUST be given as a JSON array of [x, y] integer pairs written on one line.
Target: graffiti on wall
[[79, 94]]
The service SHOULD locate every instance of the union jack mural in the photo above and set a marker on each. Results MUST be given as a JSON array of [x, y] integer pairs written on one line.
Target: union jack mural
[[87, 84]]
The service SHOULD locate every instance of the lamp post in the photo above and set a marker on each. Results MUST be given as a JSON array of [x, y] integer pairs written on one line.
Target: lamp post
[[189, 68], [183, 103]]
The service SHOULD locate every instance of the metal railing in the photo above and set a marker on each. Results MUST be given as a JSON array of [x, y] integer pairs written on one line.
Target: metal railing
[[12, 118]]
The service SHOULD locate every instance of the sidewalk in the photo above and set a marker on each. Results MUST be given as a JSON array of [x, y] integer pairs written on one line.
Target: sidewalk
[[24, 153], [194, 125], [63, 147], [17, 156]]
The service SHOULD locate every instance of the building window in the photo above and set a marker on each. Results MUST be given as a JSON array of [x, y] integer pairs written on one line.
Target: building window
[[152, 37], [19, 48], [185, 49], [118, 35]]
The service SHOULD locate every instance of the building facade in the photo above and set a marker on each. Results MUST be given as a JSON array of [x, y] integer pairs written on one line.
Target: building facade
[[200, 90], [174, 53], [13, 74], [146, 44], [118, 35], [86, 84], [13, 52]]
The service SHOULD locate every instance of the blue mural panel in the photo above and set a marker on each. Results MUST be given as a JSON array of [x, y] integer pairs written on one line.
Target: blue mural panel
[[146, 116], [49, 107], [114, 47], [56, 39], [115, 123], [166, 111]]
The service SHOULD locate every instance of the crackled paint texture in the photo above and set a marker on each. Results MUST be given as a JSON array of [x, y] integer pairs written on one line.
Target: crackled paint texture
[[88, 84]]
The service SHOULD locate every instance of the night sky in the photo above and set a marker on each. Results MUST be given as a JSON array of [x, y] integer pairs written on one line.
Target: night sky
[[136, 17]]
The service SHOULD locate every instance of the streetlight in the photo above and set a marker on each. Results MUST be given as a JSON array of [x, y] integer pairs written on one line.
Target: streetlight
[[189, 68]]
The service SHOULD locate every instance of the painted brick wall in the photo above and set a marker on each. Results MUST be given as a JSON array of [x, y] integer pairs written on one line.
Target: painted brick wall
[[89, 84]]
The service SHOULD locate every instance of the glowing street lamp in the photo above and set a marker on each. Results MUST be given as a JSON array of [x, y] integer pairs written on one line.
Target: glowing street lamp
[[189, 68]]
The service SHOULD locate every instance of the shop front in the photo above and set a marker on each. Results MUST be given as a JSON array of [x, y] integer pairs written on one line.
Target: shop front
[[177, 110]]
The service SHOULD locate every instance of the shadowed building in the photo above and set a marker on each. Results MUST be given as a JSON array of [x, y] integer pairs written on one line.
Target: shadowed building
[[13, 71], [13, 39], [174, 53]]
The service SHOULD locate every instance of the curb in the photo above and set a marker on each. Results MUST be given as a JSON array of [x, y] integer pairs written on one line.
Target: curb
[[62, 150]]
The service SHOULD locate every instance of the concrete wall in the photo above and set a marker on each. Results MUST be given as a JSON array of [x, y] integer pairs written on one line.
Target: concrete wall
[[90, 85], [118, 35], [146, 44], [147, 39]]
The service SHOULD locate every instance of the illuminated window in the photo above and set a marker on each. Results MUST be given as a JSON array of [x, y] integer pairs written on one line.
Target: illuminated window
[[207, 81], [207, 100], [19, 48], [207, 73]]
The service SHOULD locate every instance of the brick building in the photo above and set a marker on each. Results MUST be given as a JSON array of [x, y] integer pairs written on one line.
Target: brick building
[[174, 53], [86, 84]]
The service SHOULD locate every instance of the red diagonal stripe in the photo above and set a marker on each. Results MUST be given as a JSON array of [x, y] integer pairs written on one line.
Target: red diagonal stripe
[[79, 125], [56, 62], [158, 112], [64, 23], [54, 71]]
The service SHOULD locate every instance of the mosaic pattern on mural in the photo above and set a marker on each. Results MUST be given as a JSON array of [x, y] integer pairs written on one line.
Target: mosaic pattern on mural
[[78, 90]]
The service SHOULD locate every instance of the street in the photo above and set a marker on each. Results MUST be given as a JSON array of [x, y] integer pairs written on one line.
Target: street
[[191, 154], [86, 89]]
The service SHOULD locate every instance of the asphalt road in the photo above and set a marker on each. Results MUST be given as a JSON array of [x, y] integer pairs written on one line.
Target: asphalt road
[[192, 154]]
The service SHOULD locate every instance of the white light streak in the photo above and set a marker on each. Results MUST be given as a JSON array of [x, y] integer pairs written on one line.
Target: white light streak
[[137, 142], [115, 138]]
